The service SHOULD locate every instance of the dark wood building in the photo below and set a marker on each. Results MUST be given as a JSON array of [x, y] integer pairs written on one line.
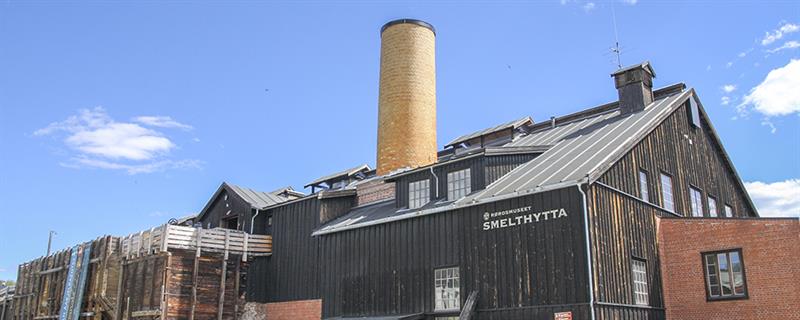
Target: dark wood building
[[521, 221]]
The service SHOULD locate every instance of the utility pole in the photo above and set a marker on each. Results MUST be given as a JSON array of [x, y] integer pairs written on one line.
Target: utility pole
[[50, 241]]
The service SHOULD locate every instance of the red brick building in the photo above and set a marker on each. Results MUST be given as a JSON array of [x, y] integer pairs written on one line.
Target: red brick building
[[763, 271]]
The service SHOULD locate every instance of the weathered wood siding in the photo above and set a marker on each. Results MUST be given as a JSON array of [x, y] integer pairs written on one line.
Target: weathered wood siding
[[691, 156], [522, 272], [624, 227], [218, 211], [477, 181], [40, 283], [179, 285]]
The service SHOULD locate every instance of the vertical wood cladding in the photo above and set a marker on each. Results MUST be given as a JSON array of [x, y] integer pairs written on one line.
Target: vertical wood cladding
[[691, 156], [521, 272], [332, 208], [498, 166], [218, 211], [622, 229], [293, 268]]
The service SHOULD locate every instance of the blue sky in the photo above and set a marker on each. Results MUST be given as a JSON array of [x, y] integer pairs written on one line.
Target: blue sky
[[118, 115]]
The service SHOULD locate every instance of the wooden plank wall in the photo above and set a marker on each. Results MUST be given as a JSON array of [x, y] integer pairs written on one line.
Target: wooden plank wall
[[522, 272], [40, 283], [498, 166], [698, 163], [181, 285], [623, 228]]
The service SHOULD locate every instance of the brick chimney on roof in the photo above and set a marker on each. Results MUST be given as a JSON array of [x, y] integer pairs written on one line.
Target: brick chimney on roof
[[407, 96]]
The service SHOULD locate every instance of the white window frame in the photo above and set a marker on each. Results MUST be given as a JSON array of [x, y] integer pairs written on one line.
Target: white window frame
[[459, 184], [644, 185], [696, 200], [446, 289], [713, 211], [667, 192], [640, 288], [419, 193]]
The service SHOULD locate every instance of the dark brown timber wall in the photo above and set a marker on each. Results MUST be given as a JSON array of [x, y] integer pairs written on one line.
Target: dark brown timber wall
[[180, 285], [40, 283], [528, 271], [691, 156], [624, 226]]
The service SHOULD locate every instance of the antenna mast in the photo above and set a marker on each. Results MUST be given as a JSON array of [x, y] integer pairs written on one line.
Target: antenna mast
[[616, 50]]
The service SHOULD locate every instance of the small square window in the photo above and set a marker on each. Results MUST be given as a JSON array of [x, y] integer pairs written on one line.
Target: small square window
[[447, 289], [725, 277], [712, 207], [728, 211]]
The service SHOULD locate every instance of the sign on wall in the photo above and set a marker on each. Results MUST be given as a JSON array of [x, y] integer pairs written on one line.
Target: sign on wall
[[563, 315], [75, 283], [519, 216]]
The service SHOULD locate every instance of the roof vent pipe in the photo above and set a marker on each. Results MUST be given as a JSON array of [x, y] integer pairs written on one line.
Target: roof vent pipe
[[635, 87], [552, 122]]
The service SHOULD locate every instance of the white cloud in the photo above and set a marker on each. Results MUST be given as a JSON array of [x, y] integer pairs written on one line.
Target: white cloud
[[788, 45], [725, 100], [708, 68], [161, 122], [777, 199], [767, 123], [728, 88], [729, 64], [770, 37], [589, 6], [630, 2], [778, 94], [100, 142], [744, 53]]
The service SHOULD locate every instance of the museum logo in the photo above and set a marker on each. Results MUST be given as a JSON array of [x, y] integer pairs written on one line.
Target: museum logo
[[519, 216]]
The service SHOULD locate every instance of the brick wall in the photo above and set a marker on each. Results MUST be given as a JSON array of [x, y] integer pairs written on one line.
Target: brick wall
[[770, 251], [295, 310], [374, 191]]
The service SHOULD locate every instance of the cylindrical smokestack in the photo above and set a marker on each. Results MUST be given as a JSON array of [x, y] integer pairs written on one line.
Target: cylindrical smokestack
[[407, 96]]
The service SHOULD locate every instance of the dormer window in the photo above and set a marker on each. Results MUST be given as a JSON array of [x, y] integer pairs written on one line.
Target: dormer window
[[340, 184], [419, 193], [458, 184]]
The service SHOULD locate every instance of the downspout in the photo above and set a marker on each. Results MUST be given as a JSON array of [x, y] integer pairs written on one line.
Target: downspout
[[437, 182], [253, 220], [588, 251]]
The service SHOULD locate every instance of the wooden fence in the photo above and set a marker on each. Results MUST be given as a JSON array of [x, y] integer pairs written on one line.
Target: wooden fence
[[206, 240]]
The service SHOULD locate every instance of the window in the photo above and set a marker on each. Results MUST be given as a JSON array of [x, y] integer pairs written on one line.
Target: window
[[644, 189], [458, 184], [666, 192], [446, 289], [694, 112], [419, 193], [340, 184], [725, 278], [639, 268], [728, 211], [696, 197], [712, 207]]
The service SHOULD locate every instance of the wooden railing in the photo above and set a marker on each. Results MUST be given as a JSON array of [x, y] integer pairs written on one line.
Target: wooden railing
[[165, 237]]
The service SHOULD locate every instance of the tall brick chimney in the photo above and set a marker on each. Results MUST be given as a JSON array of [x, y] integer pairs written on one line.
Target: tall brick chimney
[[407, 96]]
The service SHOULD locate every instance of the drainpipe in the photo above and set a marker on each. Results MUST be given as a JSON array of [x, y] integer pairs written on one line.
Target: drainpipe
[[253, 221], [588, 251], [437, 182]]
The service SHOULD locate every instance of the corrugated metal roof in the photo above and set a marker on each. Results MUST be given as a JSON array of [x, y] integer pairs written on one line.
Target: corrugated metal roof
[[508, 125], [579, 148], [345, 173]]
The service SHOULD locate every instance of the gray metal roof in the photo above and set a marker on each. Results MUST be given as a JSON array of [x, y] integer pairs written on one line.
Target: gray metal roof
[[577, 151], [579, 148], [257, 199], [345, 173], [508, 125]]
